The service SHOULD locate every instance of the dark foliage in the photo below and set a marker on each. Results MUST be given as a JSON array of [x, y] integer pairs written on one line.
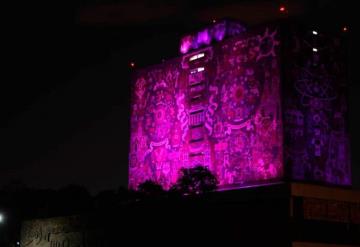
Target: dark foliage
[[195, 180], [150, 188]]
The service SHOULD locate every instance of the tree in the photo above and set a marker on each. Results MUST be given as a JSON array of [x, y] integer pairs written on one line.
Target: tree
[[195, 180], [150, 188]]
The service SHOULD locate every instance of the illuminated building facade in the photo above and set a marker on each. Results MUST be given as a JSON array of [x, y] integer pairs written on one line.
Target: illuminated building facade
[[251, 105]]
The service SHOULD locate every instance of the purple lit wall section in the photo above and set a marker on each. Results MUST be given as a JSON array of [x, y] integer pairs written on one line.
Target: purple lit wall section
[[315, 109], [218, 107]]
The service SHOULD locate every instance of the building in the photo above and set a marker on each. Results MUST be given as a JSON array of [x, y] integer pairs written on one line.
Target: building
[[253, 105]]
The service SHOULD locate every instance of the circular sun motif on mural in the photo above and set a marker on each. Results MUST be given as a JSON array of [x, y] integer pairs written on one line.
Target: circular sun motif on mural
[[242, 97], [157, 121]]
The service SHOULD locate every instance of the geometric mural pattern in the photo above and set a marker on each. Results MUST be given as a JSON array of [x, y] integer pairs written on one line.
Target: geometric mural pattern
[[218, 107], [315, 107]]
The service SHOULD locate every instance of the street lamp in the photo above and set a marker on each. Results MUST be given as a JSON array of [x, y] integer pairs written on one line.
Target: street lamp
[[1, 218]]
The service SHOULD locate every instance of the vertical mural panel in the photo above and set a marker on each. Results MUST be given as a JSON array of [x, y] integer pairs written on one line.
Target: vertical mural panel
[[315, 109], [245, 130]]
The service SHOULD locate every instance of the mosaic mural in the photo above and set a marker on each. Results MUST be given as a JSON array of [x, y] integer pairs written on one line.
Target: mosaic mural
[[221, 107], [218, 107], [315, 109]]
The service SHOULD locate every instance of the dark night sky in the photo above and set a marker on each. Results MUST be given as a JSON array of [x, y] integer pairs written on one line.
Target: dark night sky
[[65, 86]]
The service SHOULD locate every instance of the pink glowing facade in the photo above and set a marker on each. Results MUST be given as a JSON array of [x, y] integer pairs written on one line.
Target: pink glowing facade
[[218, 107], [224, 106]]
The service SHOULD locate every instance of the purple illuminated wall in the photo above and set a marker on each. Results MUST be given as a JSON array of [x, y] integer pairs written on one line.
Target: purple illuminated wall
[[220, 109], [315, 108]]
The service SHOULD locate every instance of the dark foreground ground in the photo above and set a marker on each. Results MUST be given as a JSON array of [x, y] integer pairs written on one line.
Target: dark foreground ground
[[276, 215]]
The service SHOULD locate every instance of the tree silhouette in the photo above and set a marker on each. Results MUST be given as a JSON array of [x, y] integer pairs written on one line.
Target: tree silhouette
[[195, 180], [150, 188]]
